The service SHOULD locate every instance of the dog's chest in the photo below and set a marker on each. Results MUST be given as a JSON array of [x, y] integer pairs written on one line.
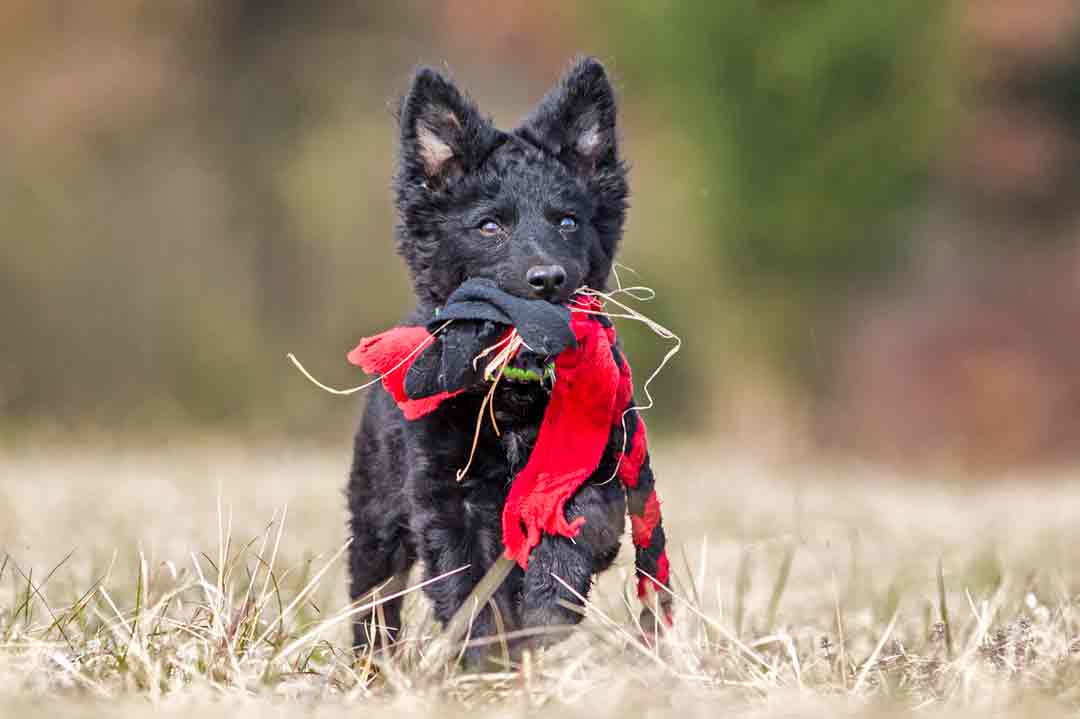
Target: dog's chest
[[517, 445], [519, 410], [519, 404]]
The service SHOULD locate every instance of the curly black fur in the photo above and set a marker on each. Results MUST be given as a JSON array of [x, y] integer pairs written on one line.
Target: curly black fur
[[475, 201]]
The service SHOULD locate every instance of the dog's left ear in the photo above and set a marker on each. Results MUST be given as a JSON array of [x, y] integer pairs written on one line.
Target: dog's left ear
[[576, 120]]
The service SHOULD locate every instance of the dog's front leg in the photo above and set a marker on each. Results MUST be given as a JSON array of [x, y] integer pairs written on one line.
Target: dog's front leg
[[455, 526], [547, 602]]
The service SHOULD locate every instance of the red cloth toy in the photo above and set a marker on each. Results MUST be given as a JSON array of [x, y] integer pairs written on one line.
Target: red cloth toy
[[592, 391], [390, 354]]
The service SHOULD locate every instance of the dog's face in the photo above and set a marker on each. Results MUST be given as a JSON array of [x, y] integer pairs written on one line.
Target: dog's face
[[538, 210]]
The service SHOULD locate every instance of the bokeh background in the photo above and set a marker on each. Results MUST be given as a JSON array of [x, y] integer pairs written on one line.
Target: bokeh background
[[861, 218]]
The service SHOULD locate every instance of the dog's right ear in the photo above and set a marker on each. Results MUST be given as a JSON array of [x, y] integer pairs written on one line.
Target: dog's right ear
[[443, 134]]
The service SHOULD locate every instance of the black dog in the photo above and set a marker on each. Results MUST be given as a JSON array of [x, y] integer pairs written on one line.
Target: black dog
[[539, 212]]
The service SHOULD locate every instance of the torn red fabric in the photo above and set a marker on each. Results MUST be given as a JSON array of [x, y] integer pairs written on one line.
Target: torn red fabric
[[388, 354], [591, 393], [630, 462], [663, 574], [573, 435], [642, 527]]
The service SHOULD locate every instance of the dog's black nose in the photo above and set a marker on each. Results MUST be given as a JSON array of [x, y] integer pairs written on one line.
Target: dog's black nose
[[545, 279]]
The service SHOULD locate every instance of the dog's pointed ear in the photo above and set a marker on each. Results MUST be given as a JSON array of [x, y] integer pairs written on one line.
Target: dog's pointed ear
[[576, 120], [443, 134]]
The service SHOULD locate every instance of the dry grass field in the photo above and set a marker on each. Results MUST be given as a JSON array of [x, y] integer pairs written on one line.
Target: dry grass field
[[206, 579]]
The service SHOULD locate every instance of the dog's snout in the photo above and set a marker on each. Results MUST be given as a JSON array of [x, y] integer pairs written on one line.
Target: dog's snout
[[545, 279]]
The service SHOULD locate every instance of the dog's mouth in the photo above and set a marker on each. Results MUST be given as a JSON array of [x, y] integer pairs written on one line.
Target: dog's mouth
[[527, 367]]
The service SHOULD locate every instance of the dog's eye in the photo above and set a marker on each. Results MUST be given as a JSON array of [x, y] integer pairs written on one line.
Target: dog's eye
[[568, 224], [489, 228]]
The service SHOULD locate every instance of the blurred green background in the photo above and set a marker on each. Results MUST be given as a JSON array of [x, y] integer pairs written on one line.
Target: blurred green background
[[860, 217]]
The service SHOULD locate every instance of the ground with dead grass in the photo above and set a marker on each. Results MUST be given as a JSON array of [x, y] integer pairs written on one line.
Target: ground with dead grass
[[209, 577]]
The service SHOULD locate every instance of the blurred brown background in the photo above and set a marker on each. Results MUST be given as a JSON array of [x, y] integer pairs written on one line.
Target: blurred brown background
[[861, 217]]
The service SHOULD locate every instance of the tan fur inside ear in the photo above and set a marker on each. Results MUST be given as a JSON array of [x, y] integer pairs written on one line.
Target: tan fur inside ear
[[589, 141], [434, 151]]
